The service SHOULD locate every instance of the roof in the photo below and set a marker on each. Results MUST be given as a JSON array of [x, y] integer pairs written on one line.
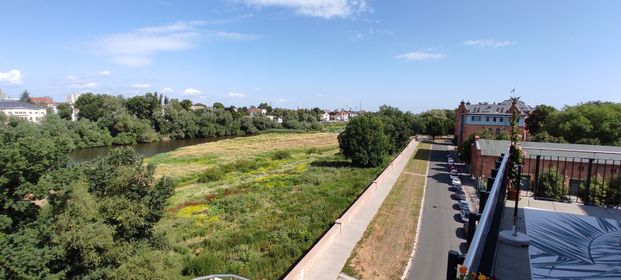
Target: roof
[[17, 105], [46, 100], [496, 147], [497, 108]]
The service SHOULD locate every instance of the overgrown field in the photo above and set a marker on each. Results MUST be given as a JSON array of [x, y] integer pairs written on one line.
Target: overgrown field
[[385, 247], [252, 205]]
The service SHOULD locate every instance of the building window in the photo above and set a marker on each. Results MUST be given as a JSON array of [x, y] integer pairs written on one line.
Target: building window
[[472, 118], [502, 119], [494, 119], [487, 119]]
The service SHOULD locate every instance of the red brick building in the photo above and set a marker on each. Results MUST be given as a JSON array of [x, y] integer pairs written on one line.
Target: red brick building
[[574, 163], [494, 117]]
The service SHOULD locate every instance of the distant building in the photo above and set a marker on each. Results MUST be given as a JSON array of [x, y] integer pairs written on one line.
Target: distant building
[[256, 112], [23, 110], [340, 116], [198, 107], [494, 117], [71, 99], [325, 117], [272, 118]]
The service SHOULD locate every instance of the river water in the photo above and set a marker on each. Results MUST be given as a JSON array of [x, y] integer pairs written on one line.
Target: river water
[[145, 149]]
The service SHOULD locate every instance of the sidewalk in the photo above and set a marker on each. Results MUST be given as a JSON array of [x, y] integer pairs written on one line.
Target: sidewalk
[[327, 261]]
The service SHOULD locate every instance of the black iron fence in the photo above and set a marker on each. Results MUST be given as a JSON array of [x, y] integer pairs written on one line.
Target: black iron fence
[[595, 181]]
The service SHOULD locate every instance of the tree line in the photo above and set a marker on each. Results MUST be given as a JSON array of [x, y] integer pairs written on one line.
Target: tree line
[[369, 139], [595, 123], [104, 120]]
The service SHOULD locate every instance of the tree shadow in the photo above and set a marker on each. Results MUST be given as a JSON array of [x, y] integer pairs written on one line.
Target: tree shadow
[[422, 154]]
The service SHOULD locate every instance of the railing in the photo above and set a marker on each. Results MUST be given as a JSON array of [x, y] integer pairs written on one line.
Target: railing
[[480, 255], [589, 180], [221, 276]]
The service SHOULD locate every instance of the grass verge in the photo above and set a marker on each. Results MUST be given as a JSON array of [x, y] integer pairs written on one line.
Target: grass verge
[[252, 206], [385, 247]]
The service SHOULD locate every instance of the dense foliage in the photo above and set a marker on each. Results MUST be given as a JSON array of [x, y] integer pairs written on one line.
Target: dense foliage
[[434, 123], [368, 139], [104, 120], [86, 221], [596, 123]]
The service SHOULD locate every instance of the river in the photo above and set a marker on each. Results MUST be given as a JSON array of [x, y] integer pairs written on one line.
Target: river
[[145, 149]]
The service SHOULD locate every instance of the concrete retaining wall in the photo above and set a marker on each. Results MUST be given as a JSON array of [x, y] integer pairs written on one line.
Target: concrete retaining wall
[[318, 250]]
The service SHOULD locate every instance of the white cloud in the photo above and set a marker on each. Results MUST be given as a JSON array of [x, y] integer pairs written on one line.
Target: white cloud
[[166, 90], [71, 77], [236, 94], [417, 56], [13, 77], [489, 43], [85, 85], [192, 92], [105, 72], [137, 47], [141, 85], [317, 8], [234, 36]]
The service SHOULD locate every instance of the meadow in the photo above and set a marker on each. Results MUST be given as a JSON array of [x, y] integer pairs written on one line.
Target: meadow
[[253, 205]]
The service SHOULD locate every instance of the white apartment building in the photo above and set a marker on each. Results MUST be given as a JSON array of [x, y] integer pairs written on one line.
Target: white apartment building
[[23, 110]]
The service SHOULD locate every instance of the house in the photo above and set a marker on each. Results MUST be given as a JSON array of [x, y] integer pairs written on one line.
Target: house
[[256, 112], [340, 116], [494, 117], [272, 118], [45, 101], [325, 117], [23, 110]]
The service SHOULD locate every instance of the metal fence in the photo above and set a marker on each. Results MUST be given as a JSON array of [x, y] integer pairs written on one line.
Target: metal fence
[[595, 181], [483, 237]]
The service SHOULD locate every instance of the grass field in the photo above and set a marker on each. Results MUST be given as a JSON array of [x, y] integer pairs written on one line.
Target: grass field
[[385, 247], [252, 205]]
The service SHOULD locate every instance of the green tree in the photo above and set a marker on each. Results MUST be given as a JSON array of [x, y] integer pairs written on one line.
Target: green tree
[[25, 97], [90, 106], [218, 106], [186, 104], [130, 198], [64, 111], [364, 142], [538, 117]]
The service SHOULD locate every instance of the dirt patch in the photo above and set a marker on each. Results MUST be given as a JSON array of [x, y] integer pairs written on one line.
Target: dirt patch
[[385, 248]]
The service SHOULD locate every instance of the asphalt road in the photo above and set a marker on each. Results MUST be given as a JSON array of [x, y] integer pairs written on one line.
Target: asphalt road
[[440, 229]]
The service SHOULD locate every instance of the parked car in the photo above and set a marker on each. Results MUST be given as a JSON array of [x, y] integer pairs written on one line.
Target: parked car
[[451, 161], [455, 181], [454, 172], [463, 215], [463, 204], [459, 196]]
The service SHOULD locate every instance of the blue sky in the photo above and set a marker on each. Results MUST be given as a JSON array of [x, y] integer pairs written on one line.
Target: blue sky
[[415, 55]]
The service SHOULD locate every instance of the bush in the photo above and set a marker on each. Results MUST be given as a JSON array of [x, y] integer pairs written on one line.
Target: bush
[[211, 175], [281, 154]]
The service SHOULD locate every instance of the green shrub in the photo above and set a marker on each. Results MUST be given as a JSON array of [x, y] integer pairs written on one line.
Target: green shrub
[[211, 175], [281, 154]]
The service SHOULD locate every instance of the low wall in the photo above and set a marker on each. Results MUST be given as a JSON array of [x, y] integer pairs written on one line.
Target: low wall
[[298, 272]]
